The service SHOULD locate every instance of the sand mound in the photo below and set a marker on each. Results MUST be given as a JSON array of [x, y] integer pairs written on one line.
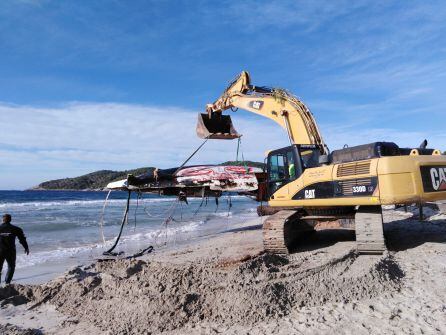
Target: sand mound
[[9, 329], [227, 285], [133, 296], [15, 295]]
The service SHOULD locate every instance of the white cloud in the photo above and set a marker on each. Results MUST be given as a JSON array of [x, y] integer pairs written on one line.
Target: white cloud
[[306, 15], [78, 138], [337, 136], [38, 143]]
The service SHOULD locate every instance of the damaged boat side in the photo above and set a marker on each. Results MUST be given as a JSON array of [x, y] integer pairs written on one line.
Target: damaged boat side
[[193, 181]]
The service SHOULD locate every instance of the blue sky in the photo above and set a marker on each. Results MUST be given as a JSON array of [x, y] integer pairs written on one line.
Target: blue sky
[[88, 85]]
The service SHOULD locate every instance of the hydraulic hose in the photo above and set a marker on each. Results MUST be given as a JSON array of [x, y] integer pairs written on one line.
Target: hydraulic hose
[[124, 219]]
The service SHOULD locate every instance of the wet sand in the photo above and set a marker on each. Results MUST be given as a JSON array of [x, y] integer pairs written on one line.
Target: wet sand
[[226, 284]]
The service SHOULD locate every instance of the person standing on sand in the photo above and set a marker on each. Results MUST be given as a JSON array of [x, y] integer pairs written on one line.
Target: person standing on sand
[[8, 233]]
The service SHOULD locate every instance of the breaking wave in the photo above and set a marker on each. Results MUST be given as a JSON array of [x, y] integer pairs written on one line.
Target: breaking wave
[[62, 228], [95, 203], [91, 251]]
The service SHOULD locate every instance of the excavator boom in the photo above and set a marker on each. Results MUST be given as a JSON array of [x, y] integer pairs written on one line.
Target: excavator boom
[[276, 104]]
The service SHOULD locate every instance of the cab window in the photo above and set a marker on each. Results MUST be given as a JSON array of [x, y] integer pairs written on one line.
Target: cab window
[[291, 165], [277, 167], [310, 158]]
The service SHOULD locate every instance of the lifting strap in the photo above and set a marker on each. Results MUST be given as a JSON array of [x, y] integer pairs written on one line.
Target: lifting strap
[[193, 154], [239, 148]]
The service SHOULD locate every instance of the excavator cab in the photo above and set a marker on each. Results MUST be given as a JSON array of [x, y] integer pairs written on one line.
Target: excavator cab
[[216, 126], [287, 164], [283, 166]]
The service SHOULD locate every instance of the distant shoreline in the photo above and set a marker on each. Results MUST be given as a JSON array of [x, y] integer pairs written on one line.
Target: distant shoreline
[[68, 189], [98, 180], [56, 190]]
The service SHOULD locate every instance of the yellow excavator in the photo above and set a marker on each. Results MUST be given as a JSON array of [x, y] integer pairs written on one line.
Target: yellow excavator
[[309, 184]]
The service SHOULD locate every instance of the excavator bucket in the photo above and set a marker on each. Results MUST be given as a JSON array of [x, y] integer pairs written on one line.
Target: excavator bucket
[[217, 126]]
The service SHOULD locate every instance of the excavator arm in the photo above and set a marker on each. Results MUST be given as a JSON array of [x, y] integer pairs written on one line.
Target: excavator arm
[[276, 104]]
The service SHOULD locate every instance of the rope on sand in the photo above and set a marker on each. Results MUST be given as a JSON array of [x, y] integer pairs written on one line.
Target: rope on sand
[[124, 221], [142, 252]]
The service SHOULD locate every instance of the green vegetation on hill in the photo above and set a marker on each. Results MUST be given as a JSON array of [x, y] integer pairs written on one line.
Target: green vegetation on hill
[[248, 163], [99, 179], [91, 181]]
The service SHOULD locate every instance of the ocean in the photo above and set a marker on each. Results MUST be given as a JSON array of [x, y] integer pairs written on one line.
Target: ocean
[[65, 228]]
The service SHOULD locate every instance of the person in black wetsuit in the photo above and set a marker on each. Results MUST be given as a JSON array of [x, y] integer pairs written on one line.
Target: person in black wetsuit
[[8, 233]]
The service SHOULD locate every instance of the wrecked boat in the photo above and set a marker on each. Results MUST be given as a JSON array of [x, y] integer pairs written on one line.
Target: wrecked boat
[[194, 181]]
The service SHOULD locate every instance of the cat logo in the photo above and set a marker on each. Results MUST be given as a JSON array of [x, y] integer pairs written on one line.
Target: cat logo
[[256, 104], [310, 194], [434, 178], [438, 177]]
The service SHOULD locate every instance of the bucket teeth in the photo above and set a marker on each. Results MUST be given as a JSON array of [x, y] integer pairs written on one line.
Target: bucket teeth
[[217, 126]]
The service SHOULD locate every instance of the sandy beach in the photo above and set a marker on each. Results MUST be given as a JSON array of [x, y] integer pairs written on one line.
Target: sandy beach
[[226, 284]]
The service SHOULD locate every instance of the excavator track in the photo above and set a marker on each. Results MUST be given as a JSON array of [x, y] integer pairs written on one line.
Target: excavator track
[[281, 229], [369, 230]]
